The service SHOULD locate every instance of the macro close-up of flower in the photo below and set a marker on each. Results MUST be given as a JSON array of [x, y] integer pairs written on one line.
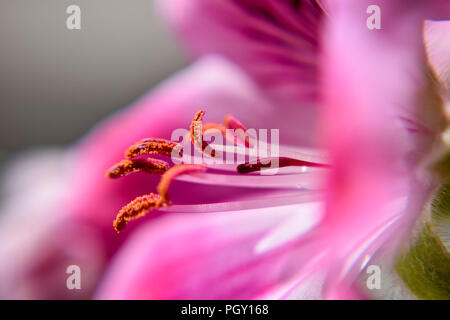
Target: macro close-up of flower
[[302, 153]]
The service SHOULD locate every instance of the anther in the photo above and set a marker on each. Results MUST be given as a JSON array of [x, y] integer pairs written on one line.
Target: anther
[[195, 128], [136, 209], [126, 167], [151, 146]]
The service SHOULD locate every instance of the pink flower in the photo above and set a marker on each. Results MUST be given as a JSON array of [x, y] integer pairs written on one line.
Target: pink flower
[[255, 236], [371, 86], [91, 201]]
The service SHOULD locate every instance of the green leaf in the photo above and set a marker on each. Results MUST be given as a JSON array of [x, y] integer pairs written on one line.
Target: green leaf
[[425, 267], [440, 215]]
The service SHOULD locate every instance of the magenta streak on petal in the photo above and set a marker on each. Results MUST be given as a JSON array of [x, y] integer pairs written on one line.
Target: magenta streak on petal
[[290, 18], [264, 11], [260, 19], [266, 38], [415, 126]]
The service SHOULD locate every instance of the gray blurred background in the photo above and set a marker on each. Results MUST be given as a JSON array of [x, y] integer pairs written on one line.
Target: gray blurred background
[[57, 83]]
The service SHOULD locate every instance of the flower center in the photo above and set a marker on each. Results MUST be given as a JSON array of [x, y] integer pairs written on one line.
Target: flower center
[[139, 158]]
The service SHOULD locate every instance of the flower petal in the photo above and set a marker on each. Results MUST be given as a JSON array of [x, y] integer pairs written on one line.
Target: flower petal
[[275, 41], [39, 243], [228, 255], [373, 85]]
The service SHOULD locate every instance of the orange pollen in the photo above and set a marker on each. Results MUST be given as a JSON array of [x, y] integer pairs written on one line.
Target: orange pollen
[[172, 173], [151, 146], [195, 128], [136, 209], [126, 167]]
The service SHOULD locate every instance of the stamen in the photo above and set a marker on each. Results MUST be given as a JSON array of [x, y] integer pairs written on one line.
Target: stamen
[[151, 146], [126, 167], [232, 123], [196, 133], [142, 205], [136, 162], [136, 209], [197, 130], [259, 164], [172, 173]]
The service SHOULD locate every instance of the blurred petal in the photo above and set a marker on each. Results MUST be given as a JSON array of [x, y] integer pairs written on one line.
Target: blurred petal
[[32, 227], [275, 41], [374, 82], [210, 256]]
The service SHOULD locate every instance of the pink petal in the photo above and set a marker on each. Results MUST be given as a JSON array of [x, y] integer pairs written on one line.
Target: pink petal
[[40, 244], [372, 84], [275, 41], [232, 255]]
